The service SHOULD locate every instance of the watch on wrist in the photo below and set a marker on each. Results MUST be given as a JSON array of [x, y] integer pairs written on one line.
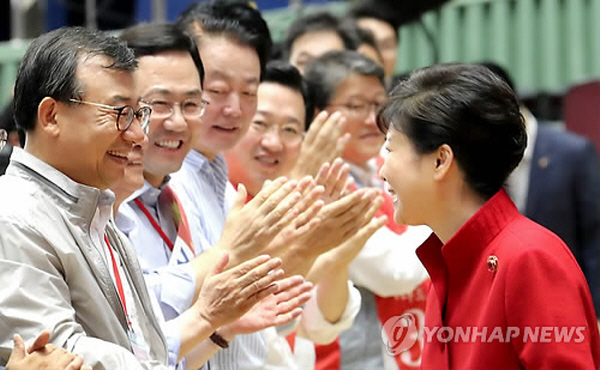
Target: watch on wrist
[[219, 340]]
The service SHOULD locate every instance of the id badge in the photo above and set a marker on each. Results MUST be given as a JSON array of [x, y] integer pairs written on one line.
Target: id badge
[[139, 346]]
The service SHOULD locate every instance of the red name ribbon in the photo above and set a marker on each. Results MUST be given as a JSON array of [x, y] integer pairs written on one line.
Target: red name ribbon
[[155, 224], [118, 279]]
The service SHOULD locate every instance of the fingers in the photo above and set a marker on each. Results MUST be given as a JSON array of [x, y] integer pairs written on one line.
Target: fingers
[[342, 205], [75, 364], [281, 199], [329, 135], [365, 207], [293, 291], [244, 268], [18, 352], [305, 185], [309, 216], [269, 187], [375, 224], [285, 318], [315, 127], [321, 177], [38, 343], [86, 367], [289, 283], [337, 179], [260, 277], [240, 198], [341, 143], [308, 207], [293, 303], [305, 209], [362, 216], [312, 224], [348, 187]]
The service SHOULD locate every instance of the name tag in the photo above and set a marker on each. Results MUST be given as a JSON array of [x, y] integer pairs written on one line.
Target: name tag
[[139, 346]]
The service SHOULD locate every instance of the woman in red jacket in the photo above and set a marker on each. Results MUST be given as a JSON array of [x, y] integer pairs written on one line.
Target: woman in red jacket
[[507, 293]]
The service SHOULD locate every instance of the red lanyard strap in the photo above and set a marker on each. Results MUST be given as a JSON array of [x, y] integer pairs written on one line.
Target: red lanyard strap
[[154, 223], [117, 279]]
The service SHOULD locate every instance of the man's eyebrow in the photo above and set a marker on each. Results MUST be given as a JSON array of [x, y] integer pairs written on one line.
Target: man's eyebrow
[[116, 99], [193, 92], [292, 119], [305, 54], [227, 76]]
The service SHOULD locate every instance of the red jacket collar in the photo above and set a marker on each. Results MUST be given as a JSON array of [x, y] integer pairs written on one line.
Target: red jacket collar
[[461, 253]]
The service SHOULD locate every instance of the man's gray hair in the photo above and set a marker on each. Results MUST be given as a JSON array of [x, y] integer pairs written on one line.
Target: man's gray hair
[[325, 73]]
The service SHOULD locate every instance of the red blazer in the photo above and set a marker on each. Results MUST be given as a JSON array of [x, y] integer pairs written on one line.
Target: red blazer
[[506, 294]]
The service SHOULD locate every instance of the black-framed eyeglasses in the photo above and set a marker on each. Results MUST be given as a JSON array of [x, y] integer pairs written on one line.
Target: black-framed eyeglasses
[[191, 108], [125, 114]]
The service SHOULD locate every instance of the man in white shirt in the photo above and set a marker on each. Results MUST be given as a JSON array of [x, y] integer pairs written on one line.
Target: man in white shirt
[[153, 217]]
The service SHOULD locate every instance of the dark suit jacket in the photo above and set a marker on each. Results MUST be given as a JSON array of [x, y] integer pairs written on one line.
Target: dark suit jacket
[[564, 196]]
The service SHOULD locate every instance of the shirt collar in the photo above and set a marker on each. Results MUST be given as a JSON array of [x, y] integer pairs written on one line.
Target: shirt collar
[[82, 200], [196, 159], [148, 193]]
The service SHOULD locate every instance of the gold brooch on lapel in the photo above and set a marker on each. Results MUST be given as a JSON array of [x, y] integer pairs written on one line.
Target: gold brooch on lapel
[[492, 264]]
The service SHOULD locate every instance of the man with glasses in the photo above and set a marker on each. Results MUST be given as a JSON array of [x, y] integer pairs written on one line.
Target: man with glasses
[[63, 264], [169, 80], [56, 219]]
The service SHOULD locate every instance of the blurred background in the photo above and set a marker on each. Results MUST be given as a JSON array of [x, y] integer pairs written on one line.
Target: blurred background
[[548, 46]]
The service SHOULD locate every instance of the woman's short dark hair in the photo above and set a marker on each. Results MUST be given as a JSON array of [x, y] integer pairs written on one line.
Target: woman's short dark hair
[[154, 38], [283, 73], [325, 73], [468, 108], [48, 68], [238, 21]]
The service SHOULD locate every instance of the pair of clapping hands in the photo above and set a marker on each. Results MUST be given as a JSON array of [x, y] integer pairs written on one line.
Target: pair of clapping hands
[[41, 355], [288, 224]]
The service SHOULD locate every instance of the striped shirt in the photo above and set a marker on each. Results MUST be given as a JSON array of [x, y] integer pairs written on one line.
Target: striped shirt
[[203, 187]]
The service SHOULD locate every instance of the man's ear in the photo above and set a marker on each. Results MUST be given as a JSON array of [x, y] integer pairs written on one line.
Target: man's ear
[[444, 156], [47, 117]]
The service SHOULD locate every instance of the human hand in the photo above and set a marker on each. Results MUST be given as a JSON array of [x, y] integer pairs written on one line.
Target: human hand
[[280, 203], [340, 257], [324, 141], [41, 355], [335, 181], [227, 295], [340, 220], [276, 309]]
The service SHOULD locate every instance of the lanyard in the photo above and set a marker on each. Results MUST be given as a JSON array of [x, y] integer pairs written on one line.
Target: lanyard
[[154, 223], [118, 279]]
